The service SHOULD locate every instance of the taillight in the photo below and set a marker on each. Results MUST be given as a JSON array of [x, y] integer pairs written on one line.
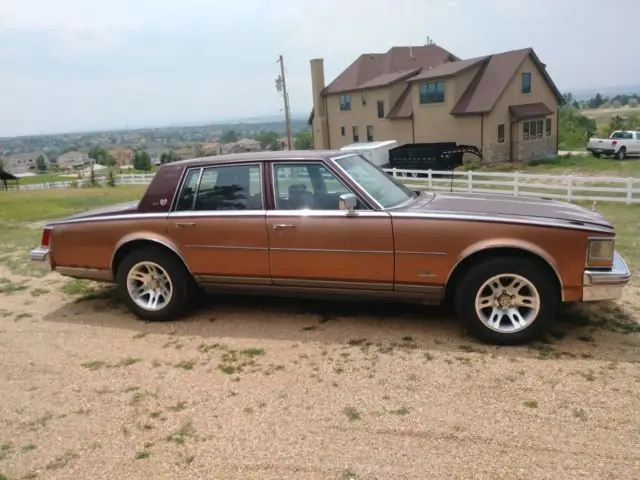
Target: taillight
[[46, 237], [615, 142]]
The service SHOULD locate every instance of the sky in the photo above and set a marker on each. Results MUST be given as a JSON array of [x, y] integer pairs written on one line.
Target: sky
[[77, 65]]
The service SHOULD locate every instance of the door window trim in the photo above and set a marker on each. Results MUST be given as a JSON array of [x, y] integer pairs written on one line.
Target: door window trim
[[202, 168], [293, 164]]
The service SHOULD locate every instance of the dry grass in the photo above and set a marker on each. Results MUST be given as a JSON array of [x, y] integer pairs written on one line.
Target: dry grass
[[260, 388]]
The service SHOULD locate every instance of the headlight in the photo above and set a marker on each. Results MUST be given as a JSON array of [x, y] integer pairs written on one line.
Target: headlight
[[600, 252]]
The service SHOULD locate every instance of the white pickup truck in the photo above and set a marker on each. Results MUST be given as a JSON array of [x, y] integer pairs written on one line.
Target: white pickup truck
[[619, 144]]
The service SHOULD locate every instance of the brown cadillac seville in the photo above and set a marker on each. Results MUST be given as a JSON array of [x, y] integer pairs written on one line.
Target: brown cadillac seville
[[326, 222]]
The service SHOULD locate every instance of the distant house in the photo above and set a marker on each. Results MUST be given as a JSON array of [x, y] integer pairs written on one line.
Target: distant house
[[73, 161], [20, 163], [186, 153], [122, 156], [212, 148], [242, 145]]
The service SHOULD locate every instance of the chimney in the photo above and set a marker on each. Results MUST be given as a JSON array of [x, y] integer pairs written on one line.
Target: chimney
[[320, 125]]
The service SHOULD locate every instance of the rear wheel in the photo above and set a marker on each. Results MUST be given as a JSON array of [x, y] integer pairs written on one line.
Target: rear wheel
[[507, 301], [621, 154], [155, 285]]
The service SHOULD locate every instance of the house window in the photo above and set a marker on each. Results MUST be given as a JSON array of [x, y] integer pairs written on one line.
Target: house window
[[345, 102], [380, 109], [547, 128], [533, 129], [342, 132], [369, 133], [526, 82], [356, 136], [364, 98], [501, 133], [432, 92]]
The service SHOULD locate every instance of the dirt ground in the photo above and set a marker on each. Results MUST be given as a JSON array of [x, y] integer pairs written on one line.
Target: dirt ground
[[259, 388]]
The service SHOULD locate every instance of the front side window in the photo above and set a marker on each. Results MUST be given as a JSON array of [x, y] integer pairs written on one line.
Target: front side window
[[385, 190], [310, 186], [526, 82], [236, 187], [432, 92], [345, 102]]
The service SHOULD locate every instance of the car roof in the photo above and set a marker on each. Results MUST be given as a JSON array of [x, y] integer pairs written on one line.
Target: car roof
[[285, 155]]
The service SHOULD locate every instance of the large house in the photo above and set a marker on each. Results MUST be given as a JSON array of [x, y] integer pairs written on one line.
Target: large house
[[505, 104]]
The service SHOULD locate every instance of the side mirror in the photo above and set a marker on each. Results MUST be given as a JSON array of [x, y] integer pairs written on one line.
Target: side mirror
[[348, 201]]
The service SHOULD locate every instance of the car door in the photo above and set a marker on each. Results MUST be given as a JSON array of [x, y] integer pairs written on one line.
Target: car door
[[312, 243], [219, 224]]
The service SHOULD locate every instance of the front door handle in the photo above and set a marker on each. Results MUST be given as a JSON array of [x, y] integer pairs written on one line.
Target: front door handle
[[283, 226], [185, 224]]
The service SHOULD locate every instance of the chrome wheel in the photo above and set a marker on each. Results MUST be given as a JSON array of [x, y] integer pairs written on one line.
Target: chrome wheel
[[507, 303], [149, 286]]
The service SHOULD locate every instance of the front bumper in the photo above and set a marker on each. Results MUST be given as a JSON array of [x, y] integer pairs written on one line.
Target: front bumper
[[39, 254], [606, 284]]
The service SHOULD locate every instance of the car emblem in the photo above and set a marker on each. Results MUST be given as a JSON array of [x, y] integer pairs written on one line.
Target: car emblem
[[163, 202]]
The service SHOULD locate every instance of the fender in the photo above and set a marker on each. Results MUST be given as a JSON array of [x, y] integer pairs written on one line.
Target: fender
[[153, 237], [518, 244]]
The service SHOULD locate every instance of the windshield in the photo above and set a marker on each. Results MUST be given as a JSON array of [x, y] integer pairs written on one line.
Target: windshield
[[384, 189]]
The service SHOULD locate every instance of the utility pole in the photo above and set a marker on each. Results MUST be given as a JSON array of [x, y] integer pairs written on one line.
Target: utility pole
[[281, 86]]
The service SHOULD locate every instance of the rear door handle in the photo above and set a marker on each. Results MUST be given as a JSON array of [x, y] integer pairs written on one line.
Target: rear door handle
[[185, 224], [283, 226]]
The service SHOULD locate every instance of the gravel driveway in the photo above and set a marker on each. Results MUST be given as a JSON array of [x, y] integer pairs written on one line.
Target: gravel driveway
[[257, 388]]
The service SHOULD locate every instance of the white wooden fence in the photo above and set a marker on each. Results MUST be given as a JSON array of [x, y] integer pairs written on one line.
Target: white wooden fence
[[560, 187], [557, 187]]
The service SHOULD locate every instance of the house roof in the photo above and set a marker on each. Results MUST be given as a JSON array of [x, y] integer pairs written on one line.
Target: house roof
[[529, 110], [492, 80], [403, 107], [449, 69], [389, 78], [386, 68]]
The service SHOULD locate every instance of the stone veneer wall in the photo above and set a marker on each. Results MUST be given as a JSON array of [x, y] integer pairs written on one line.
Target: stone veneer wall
[[522, 151]]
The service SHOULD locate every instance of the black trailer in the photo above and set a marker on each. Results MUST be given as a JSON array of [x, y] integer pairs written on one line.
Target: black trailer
[[430, 156]]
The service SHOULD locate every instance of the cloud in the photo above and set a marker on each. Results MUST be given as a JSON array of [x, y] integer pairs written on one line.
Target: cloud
[[72, 64]]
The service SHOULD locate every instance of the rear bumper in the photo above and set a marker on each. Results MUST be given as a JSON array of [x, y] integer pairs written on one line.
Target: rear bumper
[[602, 151], [39, 254], [606, 284]]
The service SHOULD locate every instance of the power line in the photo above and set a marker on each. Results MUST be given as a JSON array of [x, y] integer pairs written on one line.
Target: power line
[[281, 86]]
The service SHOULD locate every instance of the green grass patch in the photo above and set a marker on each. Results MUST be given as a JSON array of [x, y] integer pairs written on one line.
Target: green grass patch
[[36, 205]]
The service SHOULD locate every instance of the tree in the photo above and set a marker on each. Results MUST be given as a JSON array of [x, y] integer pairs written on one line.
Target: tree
[[168, 157], [633, 102], [304, 140], [573, 128], [568, 98], [269, 140], [41, 163], [229, 136], [142, 161]]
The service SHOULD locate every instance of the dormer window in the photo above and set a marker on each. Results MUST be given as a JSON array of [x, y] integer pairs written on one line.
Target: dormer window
[[432, 92]]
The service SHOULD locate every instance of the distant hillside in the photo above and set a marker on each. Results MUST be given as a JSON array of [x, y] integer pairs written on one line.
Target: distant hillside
[[586, 94]]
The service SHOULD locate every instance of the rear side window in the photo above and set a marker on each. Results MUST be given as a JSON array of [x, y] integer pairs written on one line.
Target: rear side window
[[235, 187]]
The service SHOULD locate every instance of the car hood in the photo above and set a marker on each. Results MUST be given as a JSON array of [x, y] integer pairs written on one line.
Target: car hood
[[504, 207]]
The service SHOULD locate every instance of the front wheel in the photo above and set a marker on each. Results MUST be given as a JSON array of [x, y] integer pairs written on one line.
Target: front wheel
[[155, 285], [507, 301], [621, 154]]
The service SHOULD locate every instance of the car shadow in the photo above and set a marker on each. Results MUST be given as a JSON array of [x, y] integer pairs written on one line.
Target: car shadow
[[608, 331]]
